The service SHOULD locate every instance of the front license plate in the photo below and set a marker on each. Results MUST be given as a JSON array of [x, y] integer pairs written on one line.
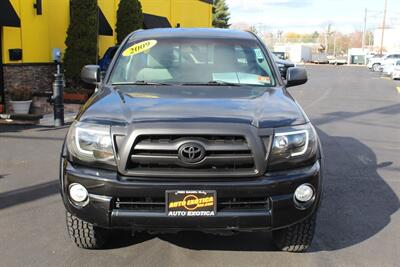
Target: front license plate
[[191, 203]]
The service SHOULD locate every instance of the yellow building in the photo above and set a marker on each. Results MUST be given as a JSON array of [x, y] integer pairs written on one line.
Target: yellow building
[[30, 29]]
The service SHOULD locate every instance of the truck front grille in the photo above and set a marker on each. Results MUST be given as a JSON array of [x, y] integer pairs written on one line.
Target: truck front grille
[[140, 203], [158, 155], [150, 204]]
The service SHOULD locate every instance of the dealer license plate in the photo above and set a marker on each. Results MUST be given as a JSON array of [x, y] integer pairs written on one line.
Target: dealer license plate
[[191, 203]]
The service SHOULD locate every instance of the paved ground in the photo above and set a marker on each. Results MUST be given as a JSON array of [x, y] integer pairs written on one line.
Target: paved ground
[[358, 117]]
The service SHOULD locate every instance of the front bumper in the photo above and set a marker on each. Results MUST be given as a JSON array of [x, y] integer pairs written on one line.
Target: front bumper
[[105, 186], [396, 74]]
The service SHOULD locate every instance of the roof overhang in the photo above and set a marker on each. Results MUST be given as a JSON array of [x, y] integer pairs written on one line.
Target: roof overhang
[[152, 21], [208, 1], [8, 16], [104, 27]]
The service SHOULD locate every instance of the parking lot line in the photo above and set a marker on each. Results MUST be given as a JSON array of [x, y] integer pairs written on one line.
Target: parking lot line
[[398, 89]]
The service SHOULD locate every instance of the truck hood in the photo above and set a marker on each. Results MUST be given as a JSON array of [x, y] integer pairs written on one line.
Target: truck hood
[[259, 106]]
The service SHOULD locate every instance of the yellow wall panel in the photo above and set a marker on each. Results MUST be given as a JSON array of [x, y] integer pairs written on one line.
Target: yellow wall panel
[[35, 34], [40, 33], [190, 13], [157, 7], [109, 11], [11, 36], [58, 21]]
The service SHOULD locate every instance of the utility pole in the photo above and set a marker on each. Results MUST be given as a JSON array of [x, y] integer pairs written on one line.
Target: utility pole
[[334, 44], [383, 26], [280, 36], [364, 30], [326, 41], [328, 33]]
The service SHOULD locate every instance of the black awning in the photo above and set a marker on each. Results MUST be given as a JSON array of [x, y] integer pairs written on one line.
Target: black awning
[[8, 16], [153, 21], [104, 26], [208, 1]]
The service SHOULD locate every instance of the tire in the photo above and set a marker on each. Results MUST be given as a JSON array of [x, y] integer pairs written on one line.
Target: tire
[[375, 67], [296, 238], [85, 235]]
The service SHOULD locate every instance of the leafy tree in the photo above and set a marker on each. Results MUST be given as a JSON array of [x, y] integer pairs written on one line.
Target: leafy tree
[[129, 18], [220, 14], [252, 29], [81, 38]]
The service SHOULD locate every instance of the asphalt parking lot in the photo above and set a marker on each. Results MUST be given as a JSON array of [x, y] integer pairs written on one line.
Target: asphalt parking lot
[[357, 114]]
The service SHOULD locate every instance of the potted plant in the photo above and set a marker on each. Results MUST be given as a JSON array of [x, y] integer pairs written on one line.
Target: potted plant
[[75, 94], [21, 99]]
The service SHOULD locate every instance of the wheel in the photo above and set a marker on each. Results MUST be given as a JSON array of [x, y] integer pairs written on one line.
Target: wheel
[[296, 238], [375, 67], [84, 234]]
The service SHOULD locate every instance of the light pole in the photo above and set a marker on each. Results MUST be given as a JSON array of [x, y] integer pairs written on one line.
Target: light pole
[[383, 27], [58, 90], [364, 30]]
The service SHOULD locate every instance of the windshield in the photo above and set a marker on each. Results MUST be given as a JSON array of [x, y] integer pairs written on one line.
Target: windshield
[[192, 61]]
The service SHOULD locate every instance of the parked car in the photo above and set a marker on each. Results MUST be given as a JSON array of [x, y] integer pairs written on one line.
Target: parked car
[[337, 60], [105, 61], [319, 58], [192, 129], [370, 57], [375, 64], [388, 67], [280, 55], [283, 65], [396, 71]]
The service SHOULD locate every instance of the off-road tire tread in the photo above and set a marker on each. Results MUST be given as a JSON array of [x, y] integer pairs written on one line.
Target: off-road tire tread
[[84, 234], [296, 238]]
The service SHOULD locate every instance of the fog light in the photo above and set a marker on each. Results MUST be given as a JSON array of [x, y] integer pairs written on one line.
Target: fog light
[[304, 193], [78, 192]]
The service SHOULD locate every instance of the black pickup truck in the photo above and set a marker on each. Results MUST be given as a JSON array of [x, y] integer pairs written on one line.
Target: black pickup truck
[[192, 129]]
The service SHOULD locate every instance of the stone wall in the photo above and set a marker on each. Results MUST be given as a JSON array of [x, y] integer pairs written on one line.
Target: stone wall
[[37, 76]]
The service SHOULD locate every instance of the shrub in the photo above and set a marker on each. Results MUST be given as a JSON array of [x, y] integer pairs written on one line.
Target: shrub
[[81, 39], [129, 18], [21, 93]]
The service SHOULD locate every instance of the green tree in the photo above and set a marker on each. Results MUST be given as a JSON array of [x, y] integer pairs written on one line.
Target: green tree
[[81, 38], [220, 14], [129, 18]]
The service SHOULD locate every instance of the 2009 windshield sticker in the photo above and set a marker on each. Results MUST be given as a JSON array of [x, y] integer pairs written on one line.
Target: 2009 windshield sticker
[[139, 48]]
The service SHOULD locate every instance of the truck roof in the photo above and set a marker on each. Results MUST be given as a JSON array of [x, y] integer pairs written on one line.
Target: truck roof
[[191, 33]]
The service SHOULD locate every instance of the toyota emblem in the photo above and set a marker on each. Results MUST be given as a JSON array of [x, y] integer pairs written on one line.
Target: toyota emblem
[[191, 152]]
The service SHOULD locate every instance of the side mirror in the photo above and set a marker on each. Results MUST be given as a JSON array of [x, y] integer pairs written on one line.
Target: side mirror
[[91, 74], [283, 70], [296, 76]]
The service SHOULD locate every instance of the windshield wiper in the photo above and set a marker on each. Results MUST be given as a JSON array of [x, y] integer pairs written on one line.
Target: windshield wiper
[[214, 83], [141, 82]]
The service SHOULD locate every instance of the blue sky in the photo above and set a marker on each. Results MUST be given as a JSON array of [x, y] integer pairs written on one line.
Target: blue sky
[[310, 15]]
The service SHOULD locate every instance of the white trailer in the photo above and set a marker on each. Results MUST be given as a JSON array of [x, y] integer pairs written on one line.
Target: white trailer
[[296, 52]]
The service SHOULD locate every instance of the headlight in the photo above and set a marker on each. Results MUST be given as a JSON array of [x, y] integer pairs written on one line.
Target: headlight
[[293, 147], [90, 143]]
